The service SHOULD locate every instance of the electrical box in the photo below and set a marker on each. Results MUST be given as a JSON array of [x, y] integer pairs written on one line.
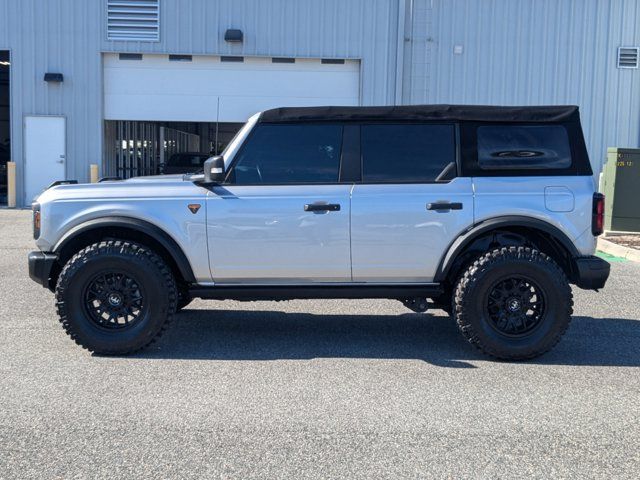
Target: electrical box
[[621, 186]]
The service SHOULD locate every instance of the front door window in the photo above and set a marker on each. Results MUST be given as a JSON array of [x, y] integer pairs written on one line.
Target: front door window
[[289, 154]]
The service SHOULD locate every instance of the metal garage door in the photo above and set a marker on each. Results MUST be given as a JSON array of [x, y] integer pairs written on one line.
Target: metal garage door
[[225, 89]]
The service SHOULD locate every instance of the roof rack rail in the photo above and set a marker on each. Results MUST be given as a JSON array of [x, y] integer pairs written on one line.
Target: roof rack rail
[[62, 182]]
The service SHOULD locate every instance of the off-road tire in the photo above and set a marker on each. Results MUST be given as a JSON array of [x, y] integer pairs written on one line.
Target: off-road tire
[[150, 272], [471, 297]]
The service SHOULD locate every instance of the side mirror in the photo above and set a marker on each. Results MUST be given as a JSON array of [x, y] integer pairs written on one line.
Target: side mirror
[[214, 170]]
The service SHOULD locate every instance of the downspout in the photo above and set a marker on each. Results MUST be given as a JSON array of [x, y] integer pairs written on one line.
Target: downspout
[[402, 18]]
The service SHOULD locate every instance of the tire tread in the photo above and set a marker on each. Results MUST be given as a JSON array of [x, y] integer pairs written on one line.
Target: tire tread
[[470, 278], [109, 247]]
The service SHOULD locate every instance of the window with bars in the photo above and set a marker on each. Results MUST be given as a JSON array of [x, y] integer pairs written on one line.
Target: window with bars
[[133, 20]]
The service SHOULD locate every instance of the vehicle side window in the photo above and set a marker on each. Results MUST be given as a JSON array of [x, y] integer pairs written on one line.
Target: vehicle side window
[[407, 153], [284, 154], [507, 147]]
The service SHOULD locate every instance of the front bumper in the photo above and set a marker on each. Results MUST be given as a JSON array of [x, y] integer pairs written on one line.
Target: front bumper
[[40, 266], [591, 272]]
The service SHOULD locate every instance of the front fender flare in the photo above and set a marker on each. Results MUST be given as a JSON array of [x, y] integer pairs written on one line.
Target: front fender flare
[[158, 234]]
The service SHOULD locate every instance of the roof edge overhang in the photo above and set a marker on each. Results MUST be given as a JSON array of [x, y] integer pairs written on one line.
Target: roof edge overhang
[[469, 113]]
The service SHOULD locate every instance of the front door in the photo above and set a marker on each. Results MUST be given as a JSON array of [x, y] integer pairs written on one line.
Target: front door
[[45, 153], [409, 206], [282, 216]]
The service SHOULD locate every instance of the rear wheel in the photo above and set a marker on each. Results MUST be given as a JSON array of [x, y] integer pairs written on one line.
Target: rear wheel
[[513, 303], [115, 297]]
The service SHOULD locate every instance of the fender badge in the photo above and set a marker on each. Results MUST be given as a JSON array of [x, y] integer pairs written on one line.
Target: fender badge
[[194, 207]]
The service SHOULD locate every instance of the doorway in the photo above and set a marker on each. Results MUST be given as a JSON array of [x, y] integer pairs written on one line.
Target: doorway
[[138, 148], [5, 123]]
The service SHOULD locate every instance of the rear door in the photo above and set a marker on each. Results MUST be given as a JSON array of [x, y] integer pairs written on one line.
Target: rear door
[[283, 215], [410, 205]]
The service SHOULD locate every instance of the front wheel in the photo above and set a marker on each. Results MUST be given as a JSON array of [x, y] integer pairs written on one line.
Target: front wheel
[[513, 303], [115, 297]]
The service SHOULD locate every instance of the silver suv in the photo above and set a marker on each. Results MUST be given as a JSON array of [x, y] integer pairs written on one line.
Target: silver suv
[[488, 213]]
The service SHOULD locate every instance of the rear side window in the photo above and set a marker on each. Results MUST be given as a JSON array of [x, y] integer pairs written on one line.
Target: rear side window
[[283, 154], [407, 153], [529, 147]]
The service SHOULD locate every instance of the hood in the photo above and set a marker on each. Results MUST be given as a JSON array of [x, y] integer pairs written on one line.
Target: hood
[[137, 187], [151, 178]]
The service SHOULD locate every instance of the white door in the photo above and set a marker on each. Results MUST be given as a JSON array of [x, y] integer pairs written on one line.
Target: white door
[[210, 88], [44, 146]]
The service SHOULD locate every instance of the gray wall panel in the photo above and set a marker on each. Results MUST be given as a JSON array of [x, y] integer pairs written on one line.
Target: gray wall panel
[[515, 52], [55, 36], [361, 29], [530, 52], [68, 36]]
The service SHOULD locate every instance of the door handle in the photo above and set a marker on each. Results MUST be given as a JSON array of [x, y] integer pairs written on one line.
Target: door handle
[[444, 206], [322, 207]]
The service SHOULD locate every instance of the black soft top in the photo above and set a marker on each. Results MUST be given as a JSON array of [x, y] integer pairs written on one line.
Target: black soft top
[[470, 113]]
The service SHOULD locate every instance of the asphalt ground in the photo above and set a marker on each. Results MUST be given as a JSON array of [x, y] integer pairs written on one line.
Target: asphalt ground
[[314, 389]]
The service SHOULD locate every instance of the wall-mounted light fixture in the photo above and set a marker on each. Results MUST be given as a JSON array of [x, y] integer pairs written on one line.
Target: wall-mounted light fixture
[[53, 77], [233, 35]]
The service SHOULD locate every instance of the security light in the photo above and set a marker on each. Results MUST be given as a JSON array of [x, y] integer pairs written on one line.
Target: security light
[[53, 77], [233, 36]]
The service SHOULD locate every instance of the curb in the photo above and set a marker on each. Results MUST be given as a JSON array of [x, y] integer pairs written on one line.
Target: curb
[[618, 250]]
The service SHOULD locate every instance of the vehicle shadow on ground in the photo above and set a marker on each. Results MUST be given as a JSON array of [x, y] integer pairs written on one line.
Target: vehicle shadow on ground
[[275, 335]]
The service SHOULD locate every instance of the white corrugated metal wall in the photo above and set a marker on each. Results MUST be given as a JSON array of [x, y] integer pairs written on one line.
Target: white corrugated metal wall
[[524, 52], [514, 52]]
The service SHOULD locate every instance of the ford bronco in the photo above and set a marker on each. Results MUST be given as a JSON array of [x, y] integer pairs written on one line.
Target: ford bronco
[[488, 213]]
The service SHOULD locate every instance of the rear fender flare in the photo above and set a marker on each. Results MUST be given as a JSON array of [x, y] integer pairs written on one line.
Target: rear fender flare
[[466, 238]]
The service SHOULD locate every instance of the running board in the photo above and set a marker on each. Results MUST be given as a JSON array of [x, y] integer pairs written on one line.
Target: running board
[[288, 292]]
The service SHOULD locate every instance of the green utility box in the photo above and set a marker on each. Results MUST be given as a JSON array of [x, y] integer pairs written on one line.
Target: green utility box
[[621, 186]]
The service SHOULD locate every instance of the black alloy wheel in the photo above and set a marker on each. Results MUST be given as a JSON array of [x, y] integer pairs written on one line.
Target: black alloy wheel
[[513, 303], [114, 300], [515, 306], [115, 297]]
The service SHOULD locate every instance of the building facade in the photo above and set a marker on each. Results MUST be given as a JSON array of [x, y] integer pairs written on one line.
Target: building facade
[[125, 83]]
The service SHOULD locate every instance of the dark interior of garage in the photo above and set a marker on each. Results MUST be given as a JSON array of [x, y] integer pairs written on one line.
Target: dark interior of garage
[[5, 126], [138, 148]]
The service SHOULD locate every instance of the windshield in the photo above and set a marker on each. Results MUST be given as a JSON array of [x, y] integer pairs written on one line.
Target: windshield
[[235, 143]]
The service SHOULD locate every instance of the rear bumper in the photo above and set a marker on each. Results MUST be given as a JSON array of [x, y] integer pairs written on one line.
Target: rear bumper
[[40, 266], [591, 272]]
